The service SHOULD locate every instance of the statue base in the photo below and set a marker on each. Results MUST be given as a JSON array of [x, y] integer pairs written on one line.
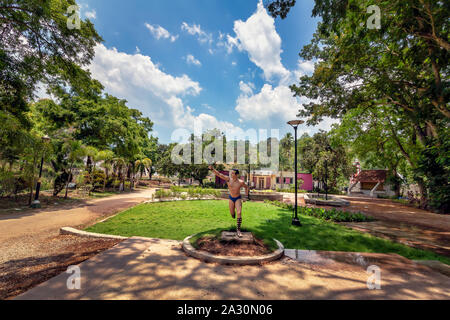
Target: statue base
[[247, 237]]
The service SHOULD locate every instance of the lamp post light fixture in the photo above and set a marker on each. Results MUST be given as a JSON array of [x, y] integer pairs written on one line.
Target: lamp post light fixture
[[295, 124], [36, 203]]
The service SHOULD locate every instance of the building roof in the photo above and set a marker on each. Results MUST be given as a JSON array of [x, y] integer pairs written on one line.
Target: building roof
[[262, 172], [371, 176]]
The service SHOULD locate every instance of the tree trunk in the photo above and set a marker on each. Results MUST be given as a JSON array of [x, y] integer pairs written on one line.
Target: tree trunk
[[30, 198], [89, 164], [68, 180], [132, 177], [423, 194], [281, 179]]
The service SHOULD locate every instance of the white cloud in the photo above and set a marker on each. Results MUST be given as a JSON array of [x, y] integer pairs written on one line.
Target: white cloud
[[259, 38], [273, 107], [246, 88], [91, 14], [196, 30], [275, 103], [303, 68], [159, 32], [207, 106], [190, 59], [269, 103], [140, 81], [227, 43], [307, 67], [136, 78]]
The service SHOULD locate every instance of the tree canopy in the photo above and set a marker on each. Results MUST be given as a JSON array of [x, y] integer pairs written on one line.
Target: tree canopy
[[394, 78]]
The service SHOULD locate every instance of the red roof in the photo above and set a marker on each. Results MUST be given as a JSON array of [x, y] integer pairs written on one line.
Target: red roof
[[371, 176]]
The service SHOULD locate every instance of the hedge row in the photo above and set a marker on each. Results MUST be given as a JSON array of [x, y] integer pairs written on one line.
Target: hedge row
[[184, 193], [325, 214]]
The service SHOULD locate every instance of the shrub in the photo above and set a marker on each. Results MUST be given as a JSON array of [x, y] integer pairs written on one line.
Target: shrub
[[176, 191], [98, 180], [291, 189], [325, 214], [9, 184], [162, 194], [280, 204], [162, 179], [209, 184]]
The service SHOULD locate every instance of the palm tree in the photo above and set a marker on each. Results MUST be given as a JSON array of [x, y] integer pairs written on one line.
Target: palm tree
[[142, 166], [91, 153], [76, 153], [119, 164], [106, 156]]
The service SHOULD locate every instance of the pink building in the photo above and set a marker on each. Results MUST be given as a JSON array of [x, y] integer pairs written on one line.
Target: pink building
[[222, 183], [307, 181]]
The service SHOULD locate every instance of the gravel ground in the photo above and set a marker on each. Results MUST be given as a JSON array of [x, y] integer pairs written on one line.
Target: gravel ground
[[31, 249], [231, 248], [38, 259]]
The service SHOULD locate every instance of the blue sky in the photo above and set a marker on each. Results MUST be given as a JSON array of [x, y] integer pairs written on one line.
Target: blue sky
[[219, 64]]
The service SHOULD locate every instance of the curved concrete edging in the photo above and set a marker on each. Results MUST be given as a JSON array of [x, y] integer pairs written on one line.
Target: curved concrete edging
[[245, 260], [80, 233], [333, 201]]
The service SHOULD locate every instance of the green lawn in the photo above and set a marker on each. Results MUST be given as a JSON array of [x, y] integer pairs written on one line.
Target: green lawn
[[179, 219]]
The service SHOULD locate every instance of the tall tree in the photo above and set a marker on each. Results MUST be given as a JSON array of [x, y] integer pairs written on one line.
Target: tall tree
[[36, 45], [76, 152], [401, 65], [327, 160]]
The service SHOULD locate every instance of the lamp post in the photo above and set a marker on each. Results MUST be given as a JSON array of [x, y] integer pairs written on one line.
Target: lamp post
[[328, 148], [36, 203], [326, 180], [295, 124]]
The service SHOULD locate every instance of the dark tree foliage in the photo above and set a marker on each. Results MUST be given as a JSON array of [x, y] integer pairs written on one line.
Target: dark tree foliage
[[397, 70], [37, 45], [279, 7]]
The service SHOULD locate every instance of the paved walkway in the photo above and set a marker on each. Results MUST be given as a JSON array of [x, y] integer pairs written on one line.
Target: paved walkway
[[411, 226], [143, 268], [22, 234]]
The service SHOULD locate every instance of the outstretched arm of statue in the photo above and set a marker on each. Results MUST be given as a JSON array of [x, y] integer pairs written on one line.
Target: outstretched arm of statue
[[247, 190], [217, 173]]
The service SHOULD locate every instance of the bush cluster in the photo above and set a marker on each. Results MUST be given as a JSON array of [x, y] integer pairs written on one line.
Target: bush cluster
[[291, 189], [184, 193], [325, 214]]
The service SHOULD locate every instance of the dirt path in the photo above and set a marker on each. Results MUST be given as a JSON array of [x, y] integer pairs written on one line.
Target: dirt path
[[411, 226], [45, 221], [24, 235], [31, 249], [143, 268]]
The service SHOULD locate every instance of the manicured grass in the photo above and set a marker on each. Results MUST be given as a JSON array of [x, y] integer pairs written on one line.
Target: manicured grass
[[179, 219]]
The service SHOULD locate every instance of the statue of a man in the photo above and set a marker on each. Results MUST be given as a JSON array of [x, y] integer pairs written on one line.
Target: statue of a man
[[235, 202]]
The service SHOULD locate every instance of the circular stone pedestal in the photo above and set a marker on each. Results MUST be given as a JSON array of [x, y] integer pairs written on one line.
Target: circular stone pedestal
[[243, 260], [247, 237]]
